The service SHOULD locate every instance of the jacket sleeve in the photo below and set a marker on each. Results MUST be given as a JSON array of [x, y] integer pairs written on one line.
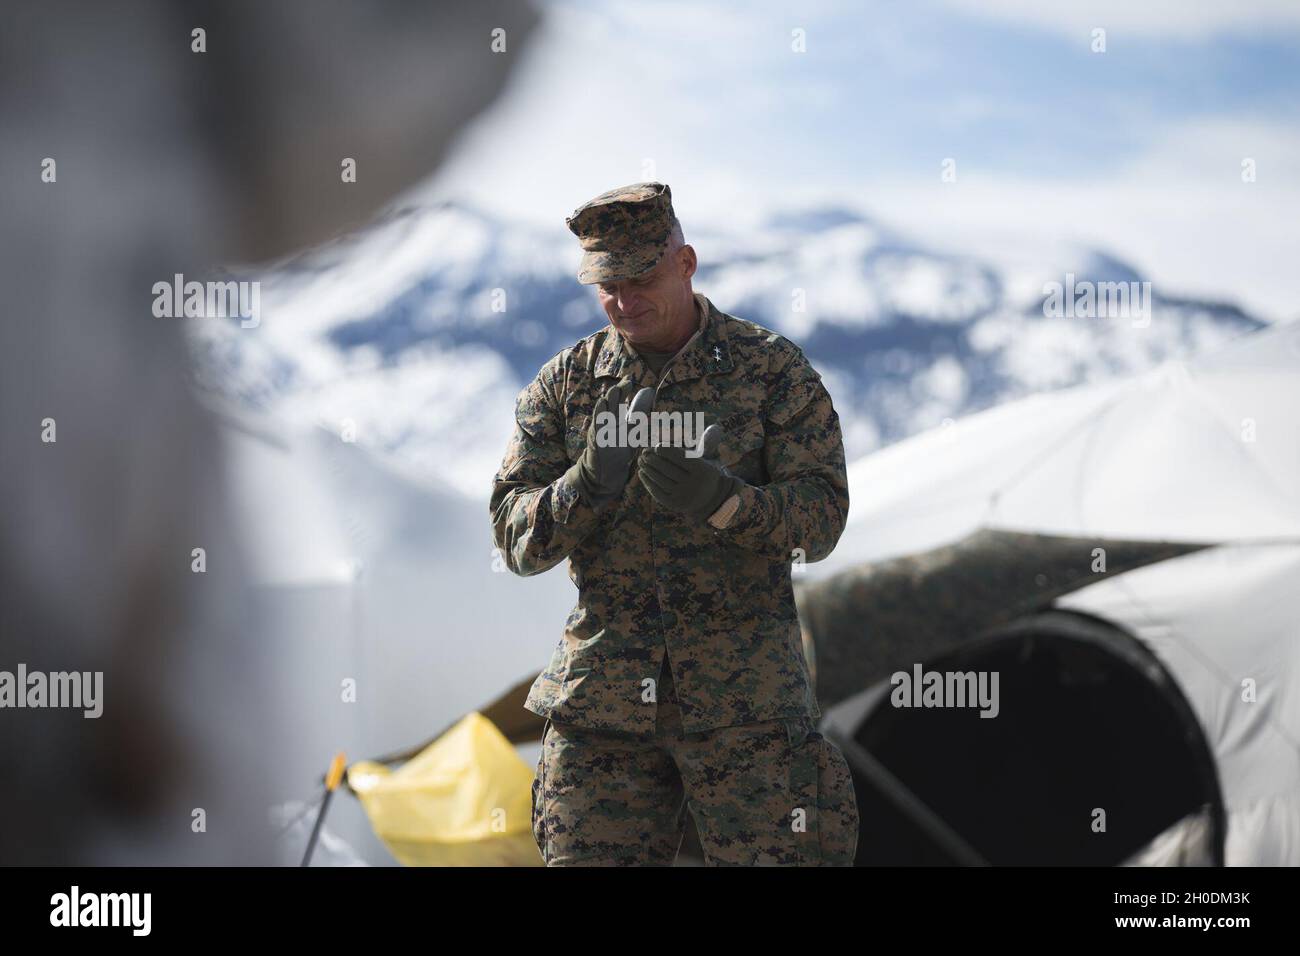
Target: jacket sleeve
[[802, 509], [538, 514]]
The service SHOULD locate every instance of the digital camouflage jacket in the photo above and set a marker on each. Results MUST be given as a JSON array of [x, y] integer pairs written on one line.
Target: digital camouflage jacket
[[719, 602]]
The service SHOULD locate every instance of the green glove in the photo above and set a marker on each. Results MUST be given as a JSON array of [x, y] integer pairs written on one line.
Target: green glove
[[692, 486], [601, 472]]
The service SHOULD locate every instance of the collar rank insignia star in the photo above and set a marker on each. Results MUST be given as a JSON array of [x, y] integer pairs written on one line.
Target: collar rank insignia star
[[717, 354]]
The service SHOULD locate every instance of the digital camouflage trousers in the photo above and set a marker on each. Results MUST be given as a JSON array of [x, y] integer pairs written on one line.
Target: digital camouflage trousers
[[773, 793]]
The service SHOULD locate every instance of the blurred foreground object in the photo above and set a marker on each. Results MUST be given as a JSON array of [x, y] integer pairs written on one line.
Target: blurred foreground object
[[129, 157]]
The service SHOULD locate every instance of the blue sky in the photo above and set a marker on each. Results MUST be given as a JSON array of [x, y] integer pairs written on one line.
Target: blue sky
[[1137, 150], [1022, 98]]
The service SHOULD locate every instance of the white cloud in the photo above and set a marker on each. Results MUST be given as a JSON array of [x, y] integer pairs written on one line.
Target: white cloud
[[623, 93], [1183, 19], [1180, 212]]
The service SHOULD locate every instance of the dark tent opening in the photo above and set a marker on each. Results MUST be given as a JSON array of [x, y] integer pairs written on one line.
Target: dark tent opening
[[1088, 719]]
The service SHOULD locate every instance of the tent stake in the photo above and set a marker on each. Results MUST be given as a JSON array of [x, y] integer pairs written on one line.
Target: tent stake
[[332, 778]]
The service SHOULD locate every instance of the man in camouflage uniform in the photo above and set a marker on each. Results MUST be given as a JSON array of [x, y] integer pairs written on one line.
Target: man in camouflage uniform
[[680, 679]]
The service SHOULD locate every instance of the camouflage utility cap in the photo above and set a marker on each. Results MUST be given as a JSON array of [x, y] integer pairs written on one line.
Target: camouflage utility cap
[[623, 232]]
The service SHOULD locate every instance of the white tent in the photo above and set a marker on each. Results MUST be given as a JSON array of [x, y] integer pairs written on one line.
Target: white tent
[[1203, 452], [362, 572]]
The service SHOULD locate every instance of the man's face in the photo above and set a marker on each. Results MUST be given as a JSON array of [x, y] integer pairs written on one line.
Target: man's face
[[656, 309]]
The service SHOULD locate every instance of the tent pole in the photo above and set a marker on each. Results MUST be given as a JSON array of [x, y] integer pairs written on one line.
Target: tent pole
[[906, 802], [332, 779]]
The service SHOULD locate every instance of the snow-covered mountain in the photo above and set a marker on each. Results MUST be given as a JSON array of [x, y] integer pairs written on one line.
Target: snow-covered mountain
[[417, 332]]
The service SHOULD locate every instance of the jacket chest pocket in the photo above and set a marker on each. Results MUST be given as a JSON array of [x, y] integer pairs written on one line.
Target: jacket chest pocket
[[742, 454]]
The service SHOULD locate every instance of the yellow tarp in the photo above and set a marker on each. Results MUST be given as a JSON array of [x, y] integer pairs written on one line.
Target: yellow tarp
[[465, 800]]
